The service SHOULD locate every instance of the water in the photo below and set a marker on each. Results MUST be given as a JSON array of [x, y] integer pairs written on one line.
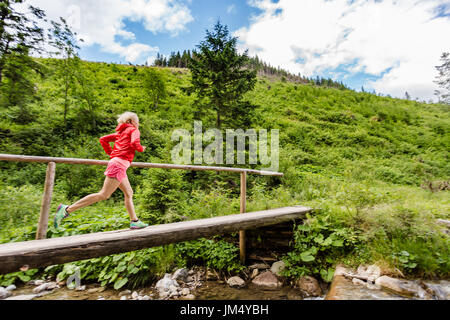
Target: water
[[209, 290], [219, 290], [213, 290], [345, 289], [92, 292]]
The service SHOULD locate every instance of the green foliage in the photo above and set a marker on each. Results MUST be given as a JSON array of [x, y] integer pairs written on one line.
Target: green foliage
[[160, 192], [131, 269], [406, 259], [217, 201], [318, 244], [22, 276], [216, 254], [154, 87]]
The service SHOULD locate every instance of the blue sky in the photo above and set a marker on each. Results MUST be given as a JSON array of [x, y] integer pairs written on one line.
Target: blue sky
[[390, 46], [234, 14]]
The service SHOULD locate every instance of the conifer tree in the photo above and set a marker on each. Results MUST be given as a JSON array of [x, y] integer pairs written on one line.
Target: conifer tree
[[219, 76], [443, 79], [19, 34]]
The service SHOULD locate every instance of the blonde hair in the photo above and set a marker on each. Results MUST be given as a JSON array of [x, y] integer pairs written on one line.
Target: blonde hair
[[127, 116]]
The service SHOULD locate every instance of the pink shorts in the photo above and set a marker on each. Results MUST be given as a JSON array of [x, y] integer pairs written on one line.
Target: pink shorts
[[117, 168]]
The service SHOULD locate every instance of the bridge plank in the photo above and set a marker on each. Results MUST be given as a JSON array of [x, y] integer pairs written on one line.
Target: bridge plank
[[42, 253]]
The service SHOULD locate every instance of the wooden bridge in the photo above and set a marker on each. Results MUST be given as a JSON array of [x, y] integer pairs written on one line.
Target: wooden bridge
[[41, 253], [44, 252]]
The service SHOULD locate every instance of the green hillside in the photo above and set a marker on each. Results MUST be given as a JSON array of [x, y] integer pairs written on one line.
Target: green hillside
[[366, 161]]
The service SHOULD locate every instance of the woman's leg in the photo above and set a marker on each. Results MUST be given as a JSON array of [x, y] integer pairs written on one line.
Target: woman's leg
[[128, 193], [109, 186]]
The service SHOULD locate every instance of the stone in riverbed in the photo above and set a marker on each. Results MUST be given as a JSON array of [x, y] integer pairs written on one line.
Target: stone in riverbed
[[401, 287], [11, 287], [38, 282], [309, 286], [267, 280], [45, 286], [211, 275], [236, 282], [173, 290], [166, 282], [372, 272], [260, 266], [4, 293], [180, 274], [185, 291], [255, 272], [277, 267], [22, 297], [124, 293]]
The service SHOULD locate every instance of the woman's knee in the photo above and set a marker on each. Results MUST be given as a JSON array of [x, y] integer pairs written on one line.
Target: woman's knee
[[103, 196], [128, 194]]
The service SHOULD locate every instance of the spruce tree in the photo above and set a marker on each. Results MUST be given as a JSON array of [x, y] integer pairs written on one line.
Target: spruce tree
[[19, 34], [443, 79], [219, 77]]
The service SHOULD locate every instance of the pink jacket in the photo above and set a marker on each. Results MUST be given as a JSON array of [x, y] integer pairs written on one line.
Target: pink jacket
[[126, 142]]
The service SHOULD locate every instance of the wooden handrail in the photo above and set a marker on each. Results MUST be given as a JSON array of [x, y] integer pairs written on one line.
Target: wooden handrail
[[23, 158]]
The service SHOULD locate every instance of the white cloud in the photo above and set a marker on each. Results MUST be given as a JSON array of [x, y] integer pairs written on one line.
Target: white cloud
[[231, 8], [102, 22], [400, 41]]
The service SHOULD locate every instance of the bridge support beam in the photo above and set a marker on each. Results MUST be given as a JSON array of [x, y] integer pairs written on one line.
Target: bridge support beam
[[46, 201], [243, 209]]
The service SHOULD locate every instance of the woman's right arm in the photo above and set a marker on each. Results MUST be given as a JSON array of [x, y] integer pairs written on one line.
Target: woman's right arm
[[105, 140]]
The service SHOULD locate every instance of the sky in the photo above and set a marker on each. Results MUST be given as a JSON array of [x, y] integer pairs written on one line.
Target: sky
[[386, 46]]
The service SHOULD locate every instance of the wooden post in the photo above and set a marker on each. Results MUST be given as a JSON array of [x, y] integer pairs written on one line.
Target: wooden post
[[243, 209], [46, 200]]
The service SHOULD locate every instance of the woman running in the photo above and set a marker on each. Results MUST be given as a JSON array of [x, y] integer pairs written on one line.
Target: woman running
[[126, 142]]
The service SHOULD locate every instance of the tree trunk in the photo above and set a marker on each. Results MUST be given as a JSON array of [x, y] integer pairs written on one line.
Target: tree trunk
[[66, 106]]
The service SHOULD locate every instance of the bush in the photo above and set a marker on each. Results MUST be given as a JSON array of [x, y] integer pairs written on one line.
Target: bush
[[161, 191], [216, 254], [130, 269], [318, 245]]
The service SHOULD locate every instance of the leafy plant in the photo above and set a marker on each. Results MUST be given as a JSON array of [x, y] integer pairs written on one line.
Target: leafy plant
[[405, 259], [318, 244], [215, 254], [23, 276]]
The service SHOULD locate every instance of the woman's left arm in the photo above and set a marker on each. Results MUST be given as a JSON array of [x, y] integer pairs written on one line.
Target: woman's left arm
[[136, 141]]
